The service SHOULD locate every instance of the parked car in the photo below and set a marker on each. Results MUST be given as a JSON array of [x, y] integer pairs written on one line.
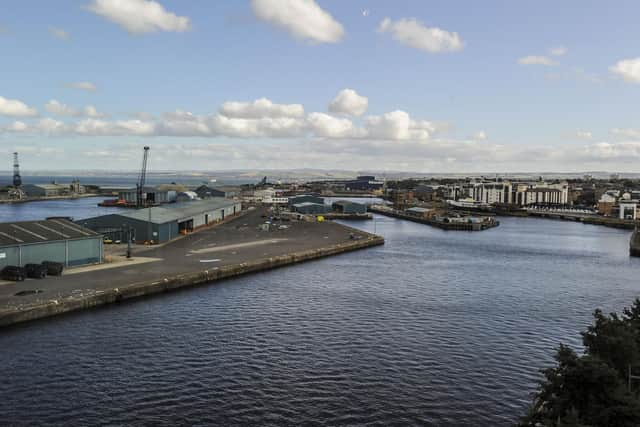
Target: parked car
[[13, 273]]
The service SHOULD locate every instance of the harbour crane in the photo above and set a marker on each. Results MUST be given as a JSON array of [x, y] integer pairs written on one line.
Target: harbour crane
[[16, 191], [142, 179]]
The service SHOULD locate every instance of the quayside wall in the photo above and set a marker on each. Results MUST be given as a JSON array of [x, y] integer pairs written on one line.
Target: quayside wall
[[125, 291]]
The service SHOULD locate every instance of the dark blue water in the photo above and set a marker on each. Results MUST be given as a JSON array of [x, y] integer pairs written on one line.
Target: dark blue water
[[77, 209], [434, 328]]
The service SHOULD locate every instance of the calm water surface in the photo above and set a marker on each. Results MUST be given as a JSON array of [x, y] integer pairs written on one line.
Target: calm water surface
[[434, 328]]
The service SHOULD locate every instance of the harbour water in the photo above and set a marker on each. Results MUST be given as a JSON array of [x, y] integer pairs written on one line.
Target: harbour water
[[433, 328]]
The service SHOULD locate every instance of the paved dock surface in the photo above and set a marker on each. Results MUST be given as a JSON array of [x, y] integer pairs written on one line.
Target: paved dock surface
[[231, 243]]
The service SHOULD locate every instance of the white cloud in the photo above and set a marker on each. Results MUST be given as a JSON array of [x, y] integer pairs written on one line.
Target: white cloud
[[326, 126], [59, 33], [558, 51], [302, 19], [260, 108], [15, 108], [88, 86], [536, 60], [413, 33], [583, 134], [139, 16], [621, 151], [628, 69], [479, 136], [398, 125], [350, 103], [17, 126], [59, 109], [626, 133]]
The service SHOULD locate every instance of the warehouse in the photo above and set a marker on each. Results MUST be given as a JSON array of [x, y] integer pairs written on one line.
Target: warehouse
[[305, 198], [347, 207], [309, 208], [163, 223], [59, 240], [45, 190]]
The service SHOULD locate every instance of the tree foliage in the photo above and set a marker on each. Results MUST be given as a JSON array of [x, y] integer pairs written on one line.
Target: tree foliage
[[592, 389]]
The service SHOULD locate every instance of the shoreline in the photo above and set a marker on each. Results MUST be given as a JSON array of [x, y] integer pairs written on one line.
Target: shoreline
[[120, 289]]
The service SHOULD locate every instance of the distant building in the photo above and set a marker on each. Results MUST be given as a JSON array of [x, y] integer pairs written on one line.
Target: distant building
[[628, 209], [205, 192], [164, 223], [45, 190], [364, 183], [186, 196], [310, 208], [420, 212], [347, 207], [302, 198], [151, 195]]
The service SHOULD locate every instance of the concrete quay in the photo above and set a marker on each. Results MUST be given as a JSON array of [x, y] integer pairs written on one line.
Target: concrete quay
[[229, 249], [455, 226]]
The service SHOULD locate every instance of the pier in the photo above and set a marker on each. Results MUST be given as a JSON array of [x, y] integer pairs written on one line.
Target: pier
[[459, 226], [233, 248]]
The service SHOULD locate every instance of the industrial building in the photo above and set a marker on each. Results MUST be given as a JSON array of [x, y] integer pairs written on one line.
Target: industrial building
[[163, 223], [150, 195], [45, 190], [347, 207], [204, 191], [305, 198], [59, 240], [309, 208]]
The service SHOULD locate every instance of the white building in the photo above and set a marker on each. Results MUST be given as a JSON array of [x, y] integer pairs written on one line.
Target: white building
[[628, 209]]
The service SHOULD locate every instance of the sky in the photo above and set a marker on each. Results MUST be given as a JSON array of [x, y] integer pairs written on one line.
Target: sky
[[409, 85]]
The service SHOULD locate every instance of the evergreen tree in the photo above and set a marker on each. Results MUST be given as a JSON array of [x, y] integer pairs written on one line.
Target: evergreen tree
[[592, 389]]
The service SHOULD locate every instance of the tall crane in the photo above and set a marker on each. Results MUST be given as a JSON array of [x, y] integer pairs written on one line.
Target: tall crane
[[16, 192], [142, 179], [17, 179]]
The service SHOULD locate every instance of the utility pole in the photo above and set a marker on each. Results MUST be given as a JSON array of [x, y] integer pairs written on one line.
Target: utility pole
[[631, 377]]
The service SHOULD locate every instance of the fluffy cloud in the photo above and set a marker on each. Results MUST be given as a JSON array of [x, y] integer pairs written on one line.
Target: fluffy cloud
[[260, 108], [628, 69], [626, 133], [303, 19], [558, 51], [60, 109], [87, 86], [413, 33], [59, 33], [349, 102], [398, 125], [139, 16], [536, 60], [479, 136], [326, 126], [15, 108], [583, 134], [621, 151]]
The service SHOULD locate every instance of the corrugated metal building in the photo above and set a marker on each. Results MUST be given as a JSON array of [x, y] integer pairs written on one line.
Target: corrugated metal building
[[305, 198], [51, 240], [347, 207], [45, 190], [309, 208], [166, 222]]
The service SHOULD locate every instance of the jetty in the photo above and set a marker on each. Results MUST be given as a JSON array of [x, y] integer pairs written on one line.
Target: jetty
[[233, 248], [444, 223]]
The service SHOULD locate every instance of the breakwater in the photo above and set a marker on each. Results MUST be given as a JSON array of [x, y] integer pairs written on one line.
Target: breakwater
[[457, 226], [125, 291]]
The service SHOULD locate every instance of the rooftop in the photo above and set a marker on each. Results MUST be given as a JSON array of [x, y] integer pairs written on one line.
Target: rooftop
[[176, 211], [26, 232]]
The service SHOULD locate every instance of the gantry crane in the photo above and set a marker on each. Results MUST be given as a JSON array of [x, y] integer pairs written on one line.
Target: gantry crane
[[16, 191], [142, 179]]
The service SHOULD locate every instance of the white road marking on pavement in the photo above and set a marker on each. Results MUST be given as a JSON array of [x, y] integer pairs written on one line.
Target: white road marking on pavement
[[209, 260]]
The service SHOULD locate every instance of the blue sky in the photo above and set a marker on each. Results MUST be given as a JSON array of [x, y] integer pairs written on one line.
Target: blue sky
[[470, 101]]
